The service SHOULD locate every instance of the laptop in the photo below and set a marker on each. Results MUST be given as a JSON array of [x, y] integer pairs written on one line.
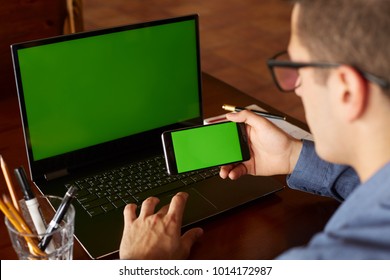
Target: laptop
[[93, 107]]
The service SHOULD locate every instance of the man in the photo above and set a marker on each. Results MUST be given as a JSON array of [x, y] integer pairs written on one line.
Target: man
[[339, 65]]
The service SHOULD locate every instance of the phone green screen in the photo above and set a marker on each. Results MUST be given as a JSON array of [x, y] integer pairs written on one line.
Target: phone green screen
[[206, 146]]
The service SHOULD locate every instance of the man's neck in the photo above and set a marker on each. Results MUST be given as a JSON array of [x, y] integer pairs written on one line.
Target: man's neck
[[368, 136], [372, 160]]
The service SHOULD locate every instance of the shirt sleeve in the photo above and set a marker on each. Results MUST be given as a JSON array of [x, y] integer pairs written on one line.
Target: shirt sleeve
[[314, 175]]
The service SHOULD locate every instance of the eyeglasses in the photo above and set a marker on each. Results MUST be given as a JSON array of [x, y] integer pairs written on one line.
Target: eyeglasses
[[286, 76]]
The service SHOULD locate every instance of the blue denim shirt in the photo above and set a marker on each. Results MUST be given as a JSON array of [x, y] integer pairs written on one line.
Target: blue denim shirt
[[360, 228]]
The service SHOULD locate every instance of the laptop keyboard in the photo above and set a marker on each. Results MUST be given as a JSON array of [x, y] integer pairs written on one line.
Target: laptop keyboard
[[131, 183]]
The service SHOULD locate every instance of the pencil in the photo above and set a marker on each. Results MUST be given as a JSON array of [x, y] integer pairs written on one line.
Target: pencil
[[16, 215], [9, 182], [19, 224], [260, 113]]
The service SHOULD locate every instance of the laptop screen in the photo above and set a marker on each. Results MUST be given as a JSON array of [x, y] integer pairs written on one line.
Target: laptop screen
[[87, 89]]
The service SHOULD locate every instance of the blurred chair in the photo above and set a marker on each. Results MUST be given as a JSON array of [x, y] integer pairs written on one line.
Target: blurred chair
[[24, 20]]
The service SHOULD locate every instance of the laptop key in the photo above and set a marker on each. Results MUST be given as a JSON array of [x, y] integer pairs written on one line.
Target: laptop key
[[108, 207], [95, 211], [129, 200], [95, 203], [206, 174], [118, 203], [187, 181], [197, 178], [113, 197], [87, 198], [82, 193]]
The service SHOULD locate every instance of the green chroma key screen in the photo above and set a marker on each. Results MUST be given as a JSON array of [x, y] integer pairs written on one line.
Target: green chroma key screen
[[206, 146], [82, 92]]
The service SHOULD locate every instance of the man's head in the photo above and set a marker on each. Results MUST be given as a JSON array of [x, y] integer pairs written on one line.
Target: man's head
[[352, 32], [340, 103]]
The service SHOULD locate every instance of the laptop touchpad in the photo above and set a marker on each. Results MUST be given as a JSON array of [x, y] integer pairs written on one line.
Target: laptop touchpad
[[197, 207]]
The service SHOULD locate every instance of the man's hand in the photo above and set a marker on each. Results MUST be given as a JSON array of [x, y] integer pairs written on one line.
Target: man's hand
[[272, 150], [157, 235]]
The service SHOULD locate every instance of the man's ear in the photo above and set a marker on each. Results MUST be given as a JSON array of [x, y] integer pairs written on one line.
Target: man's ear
[[351, 91]]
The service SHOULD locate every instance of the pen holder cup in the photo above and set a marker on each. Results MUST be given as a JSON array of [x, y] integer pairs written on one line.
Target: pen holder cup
[[26, 245]]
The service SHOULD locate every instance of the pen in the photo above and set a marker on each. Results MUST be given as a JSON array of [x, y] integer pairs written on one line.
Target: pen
[[260, 113], [58, 216], [32, 204], [9, 182]]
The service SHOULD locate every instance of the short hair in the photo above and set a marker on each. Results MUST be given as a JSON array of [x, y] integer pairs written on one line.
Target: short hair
[[353, 32]]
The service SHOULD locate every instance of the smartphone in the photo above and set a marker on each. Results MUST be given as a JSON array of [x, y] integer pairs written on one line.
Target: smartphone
[[205, 146]]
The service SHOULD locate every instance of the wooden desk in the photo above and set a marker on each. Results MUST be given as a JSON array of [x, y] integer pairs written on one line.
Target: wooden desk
[[260, 230]]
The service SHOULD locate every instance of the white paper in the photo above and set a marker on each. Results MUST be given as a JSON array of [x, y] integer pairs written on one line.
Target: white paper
[[289, 128]]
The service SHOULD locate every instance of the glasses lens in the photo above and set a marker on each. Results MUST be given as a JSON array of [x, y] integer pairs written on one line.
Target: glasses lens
[[287, 77]]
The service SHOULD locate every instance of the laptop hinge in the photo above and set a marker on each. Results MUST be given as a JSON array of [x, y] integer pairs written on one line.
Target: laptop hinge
[[56, 174]]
